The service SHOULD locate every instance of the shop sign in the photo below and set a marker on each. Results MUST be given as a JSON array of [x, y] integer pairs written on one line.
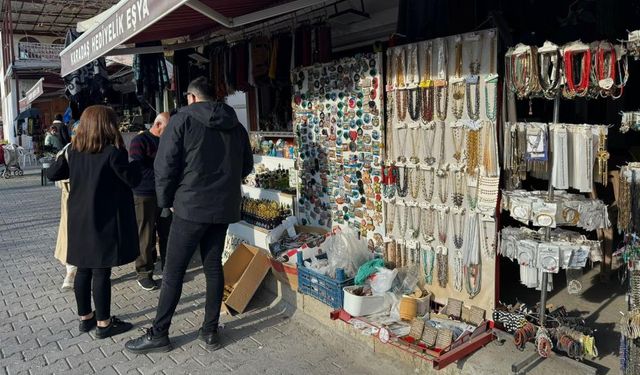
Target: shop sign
[[124, 22], [32, 94]]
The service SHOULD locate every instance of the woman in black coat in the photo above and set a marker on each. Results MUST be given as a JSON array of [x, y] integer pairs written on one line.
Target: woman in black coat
[[102, 229]]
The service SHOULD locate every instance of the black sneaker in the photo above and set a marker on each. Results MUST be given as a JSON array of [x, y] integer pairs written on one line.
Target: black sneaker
[[87, 325], [148, 284], [210, 339], [115, 327], [148, 343]]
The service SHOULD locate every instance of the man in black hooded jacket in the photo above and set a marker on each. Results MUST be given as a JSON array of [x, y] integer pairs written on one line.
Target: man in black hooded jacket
[[202, 158]]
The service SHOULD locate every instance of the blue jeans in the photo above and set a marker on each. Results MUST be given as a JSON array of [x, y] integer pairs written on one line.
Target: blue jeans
[[184, 238]]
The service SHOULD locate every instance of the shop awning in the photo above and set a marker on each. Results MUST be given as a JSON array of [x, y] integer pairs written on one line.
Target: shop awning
[[32, 94], [135, 21]]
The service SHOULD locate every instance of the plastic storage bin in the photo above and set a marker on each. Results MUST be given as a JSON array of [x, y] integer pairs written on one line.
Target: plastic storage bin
[[321, 287], [363, 305]]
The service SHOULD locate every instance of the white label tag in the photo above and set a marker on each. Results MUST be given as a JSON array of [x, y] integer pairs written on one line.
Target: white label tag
[[606, 83]]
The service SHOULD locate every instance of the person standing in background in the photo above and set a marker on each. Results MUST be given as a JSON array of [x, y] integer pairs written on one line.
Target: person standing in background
[[63, 130], [52, 139], [143, 149]]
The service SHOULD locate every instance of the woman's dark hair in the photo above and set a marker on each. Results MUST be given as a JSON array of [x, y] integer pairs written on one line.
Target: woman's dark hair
[[98, 128]]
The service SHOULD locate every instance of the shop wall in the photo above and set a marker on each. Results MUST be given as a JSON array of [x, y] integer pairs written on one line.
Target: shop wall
[[50, 108]]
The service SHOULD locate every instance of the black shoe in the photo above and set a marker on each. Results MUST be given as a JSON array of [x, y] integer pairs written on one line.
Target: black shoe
[[87, 325], [148, 284], [211, 339], [115, 327], [148, 343]]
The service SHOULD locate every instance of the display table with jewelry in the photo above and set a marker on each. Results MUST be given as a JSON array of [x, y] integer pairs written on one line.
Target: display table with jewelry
[[441, 174]]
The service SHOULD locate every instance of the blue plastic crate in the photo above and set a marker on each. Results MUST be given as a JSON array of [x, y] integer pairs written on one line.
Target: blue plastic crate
[[321, 287]]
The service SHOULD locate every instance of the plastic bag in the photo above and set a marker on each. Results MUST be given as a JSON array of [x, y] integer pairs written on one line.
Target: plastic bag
[[382, 281], [346, 251], [407, 280]]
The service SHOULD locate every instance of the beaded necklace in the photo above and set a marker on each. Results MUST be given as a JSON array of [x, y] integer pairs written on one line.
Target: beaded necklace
[[415, 103], [443, 256], [401, 104], [458, 87], [474, 80], [428, 184], [572, 90], [402, 182]]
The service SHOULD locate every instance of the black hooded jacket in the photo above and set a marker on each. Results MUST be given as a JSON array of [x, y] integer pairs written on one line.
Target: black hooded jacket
[[203, 156]]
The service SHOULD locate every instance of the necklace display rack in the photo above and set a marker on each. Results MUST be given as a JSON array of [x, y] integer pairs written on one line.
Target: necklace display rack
[[442, 172], [544, 275]]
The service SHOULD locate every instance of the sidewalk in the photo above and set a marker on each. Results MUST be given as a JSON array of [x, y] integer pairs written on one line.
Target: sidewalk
[[38, 324]]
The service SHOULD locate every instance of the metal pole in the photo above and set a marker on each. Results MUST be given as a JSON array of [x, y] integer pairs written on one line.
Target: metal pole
[[547, 232]]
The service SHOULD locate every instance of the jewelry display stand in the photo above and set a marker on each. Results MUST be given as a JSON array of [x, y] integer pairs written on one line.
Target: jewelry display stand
[[517, 367]]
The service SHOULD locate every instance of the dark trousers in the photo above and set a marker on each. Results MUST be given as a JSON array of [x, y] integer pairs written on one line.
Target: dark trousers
[[100, 279], [163, 227], [150, 222], [184, 238]]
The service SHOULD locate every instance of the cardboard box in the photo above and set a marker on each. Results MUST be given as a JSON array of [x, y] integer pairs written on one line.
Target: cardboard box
[[244, 271], [287, 273]]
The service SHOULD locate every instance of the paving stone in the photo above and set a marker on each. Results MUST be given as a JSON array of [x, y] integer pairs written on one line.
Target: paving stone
[[38, 322]]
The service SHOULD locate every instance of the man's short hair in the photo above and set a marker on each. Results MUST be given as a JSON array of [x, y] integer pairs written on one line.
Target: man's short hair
[[201, 88]]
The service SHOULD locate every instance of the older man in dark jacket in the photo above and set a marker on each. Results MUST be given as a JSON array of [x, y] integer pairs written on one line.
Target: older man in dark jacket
[[203, 156]]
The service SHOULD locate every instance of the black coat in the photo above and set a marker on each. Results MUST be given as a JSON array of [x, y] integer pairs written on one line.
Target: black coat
[[102, 229], [203, 156]]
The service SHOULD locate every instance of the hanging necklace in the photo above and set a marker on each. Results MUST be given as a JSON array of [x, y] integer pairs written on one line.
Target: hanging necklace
[[400, 62], [413, 65], [491, 85], [458, 230], [443, 186], [473, 145], [441, 85], [603, 157], [441, 161], [458, 194], [458, 241], [572, 90], [472, 194], [414, 231], [443, 257], [403, 226], [457, 133], [473, 275], [389, 73], [605, 68], [458, 86], [415, 103], [430, 142], [402, 182], [389, 177], [549, 56], [428, 225], [401, 104], [402, 145], [428, 255], [487, 248], [414, 184], [415, 147], [391, 216], [426, 84], [474, 80], [427, 185]]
